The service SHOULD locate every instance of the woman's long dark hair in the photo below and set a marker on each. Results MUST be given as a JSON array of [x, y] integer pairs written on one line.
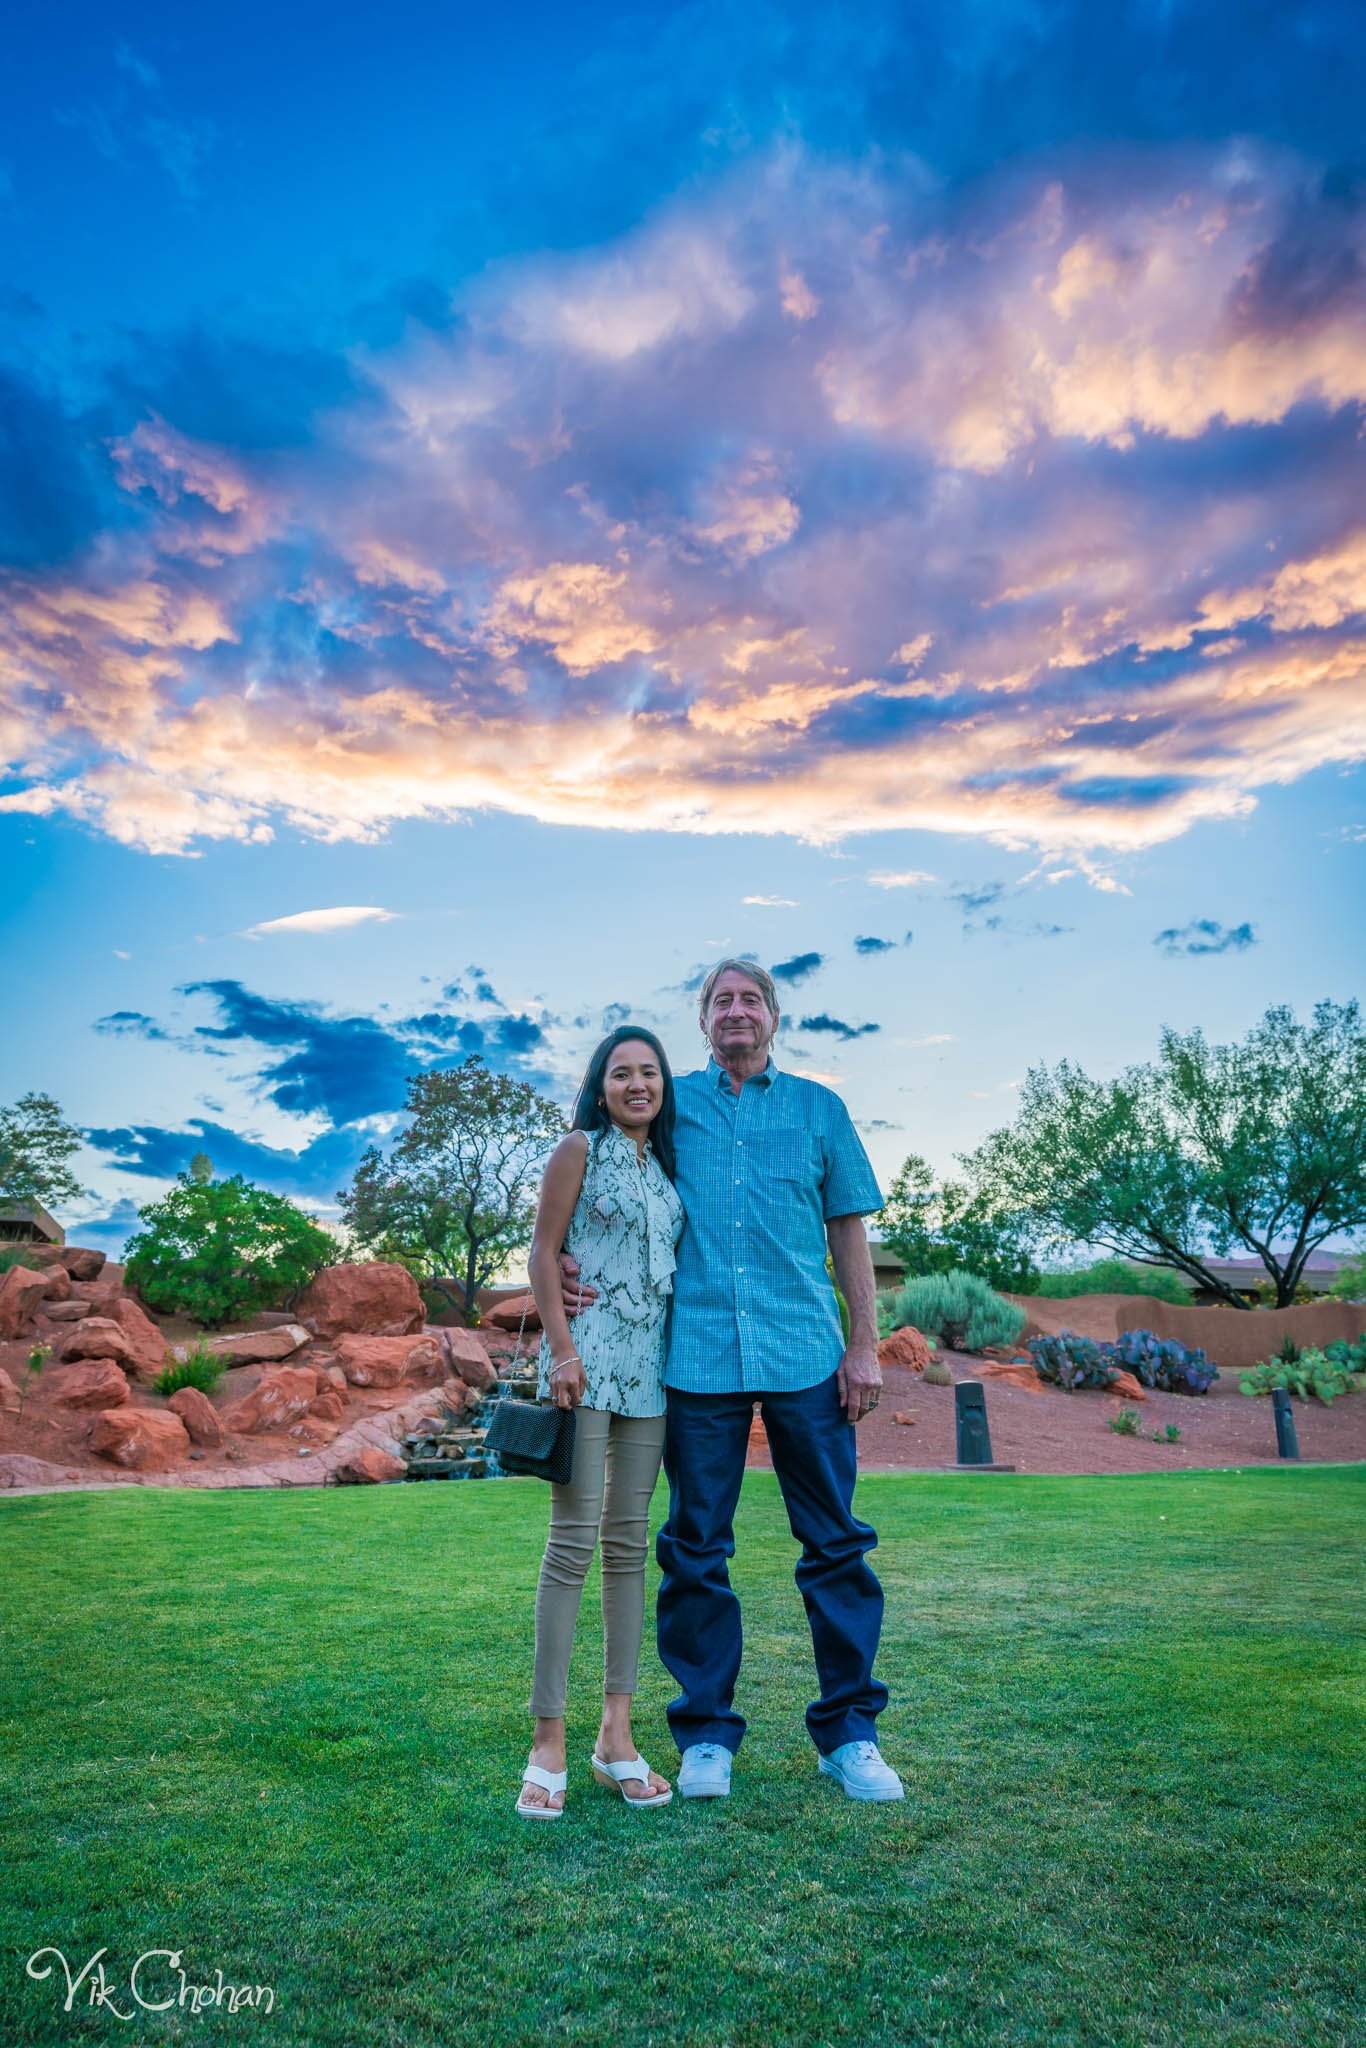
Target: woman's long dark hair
[[590, 1114]]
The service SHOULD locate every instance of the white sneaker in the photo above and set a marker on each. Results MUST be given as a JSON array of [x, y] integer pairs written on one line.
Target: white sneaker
[[860, 1768], [705, 1771]]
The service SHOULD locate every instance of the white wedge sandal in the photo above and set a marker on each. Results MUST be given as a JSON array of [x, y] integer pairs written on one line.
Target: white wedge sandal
[[550, 1781], [634, 1768]]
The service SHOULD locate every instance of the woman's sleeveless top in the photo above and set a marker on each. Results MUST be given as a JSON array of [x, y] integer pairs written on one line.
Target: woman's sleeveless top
[[625, 1225]]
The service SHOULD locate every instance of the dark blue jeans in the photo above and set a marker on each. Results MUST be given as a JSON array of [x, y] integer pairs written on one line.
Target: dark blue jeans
[[815, 1458]]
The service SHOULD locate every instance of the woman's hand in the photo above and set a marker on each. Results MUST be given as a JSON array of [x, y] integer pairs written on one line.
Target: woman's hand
[[568, 1382]]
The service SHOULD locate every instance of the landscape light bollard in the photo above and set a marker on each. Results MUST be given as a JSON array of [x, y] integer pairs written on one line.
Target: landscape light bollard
[[974, 1438], [1287, 1443]]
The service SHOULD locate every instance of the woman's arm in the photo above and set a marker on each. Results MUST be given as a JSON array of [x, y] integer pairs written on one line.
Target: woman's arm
[[559, 1192]]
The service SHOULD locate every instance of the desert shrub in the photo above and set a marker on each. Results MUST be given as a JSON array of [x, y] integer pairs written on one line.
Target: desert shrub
[[201, 1369], [1163, 1363], [18, 1255], [216, 1250], [1118, 1276], [1125, 1423], [937, 1374], [1267, 1295], [959, 1310], [1070, 1361], [1312, 1373], [1350, 1284], [1352, 1357]]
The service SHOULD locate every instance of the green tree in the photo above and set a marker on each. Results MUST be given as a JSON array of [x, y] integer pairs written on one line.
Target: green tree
[[1350, 1283], [457, 1196], [934, 1228], [217, 1250], [35, 1144], [1259, 1145]]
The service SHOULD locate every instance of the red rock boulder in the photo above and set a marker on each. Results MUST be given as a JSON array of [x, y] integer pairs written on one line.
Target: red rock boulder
[[96, 1384], [144, 1439], [507, 1315], [1016, 1372], [369, 1467], [65, 1311], [21, 1290], [250, 1347], [97, 1337], [1125, 1383], [9, 1394], [279, 1397], [329, 1406], [465, 1357], [58, 1286], [199, 1416], [384, 1361], [81, 1261], [905, 1347], [375, 1300], [146, 1345]]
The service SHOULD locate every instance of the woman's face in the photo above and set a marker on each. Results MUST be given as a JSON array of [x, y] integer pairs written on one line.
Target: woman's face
[[633, 1086]]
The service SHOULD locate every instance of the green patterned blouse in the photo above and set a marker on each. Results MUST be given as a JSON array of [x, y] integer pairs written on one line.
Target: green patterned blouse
[[625, 1225]]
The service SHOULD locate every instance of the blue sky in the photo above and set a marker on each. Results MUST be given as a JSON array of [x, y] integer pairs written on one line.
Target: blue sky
[[496, 509]]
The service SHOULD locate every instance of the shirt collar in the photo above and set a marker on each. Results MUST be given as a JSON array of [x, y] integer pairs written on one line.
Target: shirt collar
[[720, 1078], [614, 1131]]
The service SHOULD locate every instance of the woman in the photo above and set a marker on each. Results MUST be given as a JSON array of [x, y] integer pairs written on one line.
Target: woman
[[608, 1197]]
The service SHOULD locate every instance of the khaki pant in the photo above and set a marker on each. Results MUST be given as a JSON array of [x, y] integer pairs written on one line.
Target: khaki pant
[[616, 1463]]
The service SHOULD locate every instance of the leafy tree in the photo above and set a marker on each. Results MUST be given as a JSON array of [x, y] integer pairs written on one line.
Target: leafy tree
[[218, 1250], [1350, 1284], [937, 1229], [1116, 1276], [1259, 1145], [35, 1144], [458, 1194]]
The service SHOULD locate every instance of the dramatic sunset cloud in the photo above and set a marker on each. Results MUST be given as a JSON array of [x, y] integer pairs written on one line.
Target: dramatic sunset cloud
[[820, 502]]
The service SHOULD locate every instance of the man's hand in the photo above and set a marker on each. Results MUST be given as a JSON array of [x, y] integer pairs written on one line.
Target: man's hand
[[576, 1295], [859, 1380]]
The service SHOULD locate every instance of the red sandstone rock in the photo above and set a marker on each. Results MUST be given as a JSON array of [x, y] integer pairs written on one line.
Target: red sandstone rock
[[328, 1406], [905, 1347], [9, 1394], [369, 1467], [96, 1384], [384, 1361], [466, 1357], [1125, 1383], [279, 1397], [58, 1287], [900, 1415], [98, 1337], [1015, 1372], [377, 1299], [251, 1347], [199, 1416], [21, 1290], [507, 1315], [145, 1439], [81, 1261], [331, 1375], [64, 1311], [146, 1345]]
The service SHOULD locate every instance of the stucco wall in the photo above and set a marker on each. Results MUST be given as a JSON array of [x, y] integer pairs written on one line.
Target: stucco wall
[[1230, 1337]]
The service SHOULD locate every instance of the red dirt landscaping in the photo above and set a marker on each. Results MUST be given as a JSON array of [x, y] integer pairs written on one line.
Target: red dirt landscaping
[[1051, 1431]]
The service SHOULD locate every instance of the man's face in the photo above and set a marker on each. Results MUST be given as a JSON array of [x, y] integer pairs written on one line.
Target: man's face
[[738, 1020]]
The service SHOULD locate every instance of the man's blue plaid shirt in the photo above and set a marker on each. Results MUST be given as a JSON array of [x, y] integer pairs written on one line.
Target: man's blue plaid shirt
[[759, 1172]]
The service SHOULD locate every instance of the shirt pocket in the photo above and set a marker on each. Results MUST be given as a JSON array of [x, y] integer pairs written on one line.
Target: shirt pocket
[[787, 1155]]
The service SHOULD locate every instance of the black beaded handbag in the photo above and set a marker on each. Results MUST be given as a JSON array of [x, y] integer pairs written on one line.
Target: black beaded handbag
[[533, 1439]]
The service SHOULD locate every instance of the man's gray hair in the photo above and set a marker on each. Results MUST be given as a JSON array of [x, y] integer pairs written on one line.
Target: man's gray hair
[[760, 976]]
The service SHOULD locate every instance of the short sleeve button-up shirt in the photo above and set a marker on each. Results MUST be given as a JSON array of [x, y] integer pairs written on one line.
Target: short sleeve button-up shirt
[[759, 1173]]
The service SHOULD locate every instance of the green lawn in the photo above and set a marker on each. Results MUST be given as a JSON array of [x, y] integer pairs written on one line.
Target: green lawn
[[281, 1733]]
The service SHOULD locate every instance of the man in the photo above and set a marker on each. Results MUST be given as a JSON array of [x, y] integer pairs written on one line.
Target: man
[[771, 1173]]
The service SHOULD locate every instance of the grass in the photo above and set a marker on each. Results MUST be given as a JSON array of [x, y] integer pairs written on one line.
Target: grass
[[281, 1733]]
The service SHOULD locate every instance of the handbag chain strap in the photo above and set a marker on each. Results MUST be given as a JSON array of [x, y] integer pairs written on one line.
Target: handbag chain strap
[[528, 1297]]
